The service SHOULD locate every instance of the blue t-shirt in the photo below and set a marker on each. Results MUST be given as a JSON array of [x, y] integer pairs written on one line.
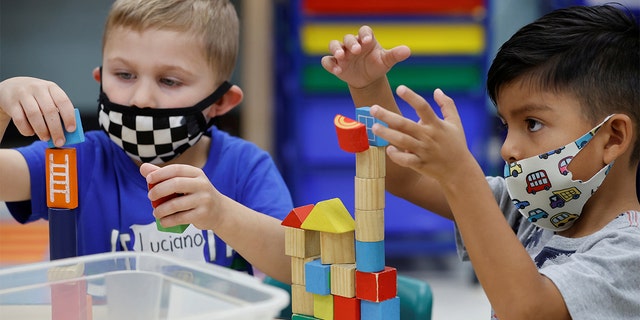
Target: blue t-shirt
[[114, 212]]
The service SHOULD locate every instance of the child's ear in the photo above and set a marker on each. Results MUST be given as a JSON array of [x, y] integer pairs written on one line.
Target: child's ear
[[621, 136], [96, 74], [229, 100]]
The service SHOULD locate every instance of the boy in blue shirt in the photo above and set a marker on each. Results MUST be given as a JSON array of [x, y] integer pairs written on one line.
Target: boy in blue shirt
[[567, 89], [163, 79]]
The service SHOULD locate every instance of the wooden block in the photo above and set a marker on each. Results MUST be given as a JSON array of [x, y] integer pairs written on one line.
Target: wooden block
[[329, 216], [295, 218], [371, 163], [69, 299], [155, 203], [384, 310], [65, 272], [72, 137], [377, 286], [297, 269], [369, 193], [343, 280], [317, 277], [346, 308], [61, 178], [369, 225], [337, 247], [352, 135], [301, 300], [301, 243], [370, 256], [363, 115], [323, 306], [63, 233]]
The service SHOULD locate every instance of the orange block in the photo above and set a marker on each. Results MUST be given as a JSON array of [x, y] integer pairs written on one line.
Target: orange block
[[62, 178], [352, 135]]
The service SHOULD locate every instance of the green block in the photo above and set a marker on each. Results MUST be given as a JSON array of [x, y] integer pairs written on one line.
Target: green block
[[175, 229]]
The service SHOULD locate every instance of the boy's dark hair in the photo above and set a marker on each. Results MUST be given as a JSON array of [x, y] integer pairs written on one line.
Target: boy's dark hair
[[592, 53]]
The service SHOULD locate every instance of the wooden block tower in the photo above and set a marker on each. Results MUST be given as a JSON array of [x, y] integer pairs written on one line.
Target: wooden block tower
[[338, 263], [69, 298]]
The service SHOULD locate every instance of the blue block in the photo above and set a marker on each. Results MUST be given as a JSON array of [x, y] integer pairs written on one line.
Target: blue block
[[72, 137], [370, 256], [62, 233], [363, 115], [383, 310], [317, 277]]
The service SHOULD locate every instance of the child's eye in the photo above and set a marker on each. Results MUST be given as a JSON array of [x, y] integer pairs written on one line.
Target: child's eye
[[169, 82], [533, 125], [124, 75]]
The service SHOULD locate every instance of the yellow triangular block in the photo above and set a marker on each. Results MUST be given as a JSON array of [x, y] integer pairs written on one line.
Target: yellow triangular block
[[329, 216]]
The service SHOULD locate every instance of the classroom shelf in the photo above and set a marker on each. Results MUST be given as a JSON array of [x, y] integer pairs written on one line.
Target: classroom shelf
[[449, 51]]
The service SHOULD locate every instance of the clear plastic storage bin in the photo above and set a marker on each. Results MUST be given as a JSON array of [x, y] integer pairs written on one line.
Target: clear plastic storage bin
[[130, 285]]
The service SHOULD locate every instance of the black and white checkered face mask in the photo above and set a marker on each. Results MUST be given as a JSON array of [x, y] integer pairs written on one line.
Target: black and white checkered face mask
[[155, 135]]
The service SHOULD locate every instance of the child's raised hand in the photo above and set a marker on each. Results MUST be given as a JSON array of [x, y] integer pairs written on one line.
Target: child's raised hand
[[199, 202], [432, 146], [36, 107], [360, 60]]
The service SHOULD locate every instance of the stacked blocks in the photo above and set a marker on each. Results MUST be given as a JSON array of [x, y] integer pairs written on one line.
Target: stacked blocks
[[69, 300], [338, 263]]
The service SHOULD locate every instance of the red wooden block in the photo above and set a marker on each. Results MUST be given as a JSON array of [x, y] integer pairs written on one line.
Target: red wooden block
[[69, 301], [175, 229], [162, 200], [296, 217], [377, 286], [346, 308], [352, 135]]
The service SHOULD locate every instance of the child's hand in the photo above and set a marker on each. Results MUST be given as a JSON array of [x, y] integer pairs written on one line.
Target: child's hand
[[36, 107], [360, 60], [432, 146], [199, 202]]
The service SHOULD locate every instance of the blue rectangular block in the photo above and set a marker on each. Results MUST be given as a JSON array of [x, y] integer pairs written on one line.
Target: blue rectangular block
[[72, 137], [363, 115], [383, 310], [370, 256], [62, 233], [317, 277]]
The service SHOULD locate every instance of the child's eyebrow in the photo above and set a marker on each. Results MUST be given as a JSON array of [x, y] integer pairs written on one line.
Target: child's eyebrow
[[175, 68], [524, 109]]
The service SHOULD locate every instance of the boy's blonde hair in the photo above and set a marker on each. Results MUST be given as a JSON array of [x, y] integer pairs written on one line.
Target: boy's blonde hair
[[215, 22]]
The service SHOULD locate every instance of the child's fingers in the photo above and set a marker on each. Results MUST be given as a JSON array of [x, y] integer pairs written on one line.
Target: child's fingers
[[404, 159], [417, 102], [396, 54], [34, 118], [365, 35], [336, 49], [330, 64], [147, 168], [401, 132], [65, 107], [51, 118], [447, 106], [156, 174], [351, 44]]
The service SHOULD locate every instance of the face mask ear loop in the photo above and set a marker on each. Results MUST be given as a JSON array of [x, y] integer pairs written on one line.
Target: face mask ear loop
[[224, 87]]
